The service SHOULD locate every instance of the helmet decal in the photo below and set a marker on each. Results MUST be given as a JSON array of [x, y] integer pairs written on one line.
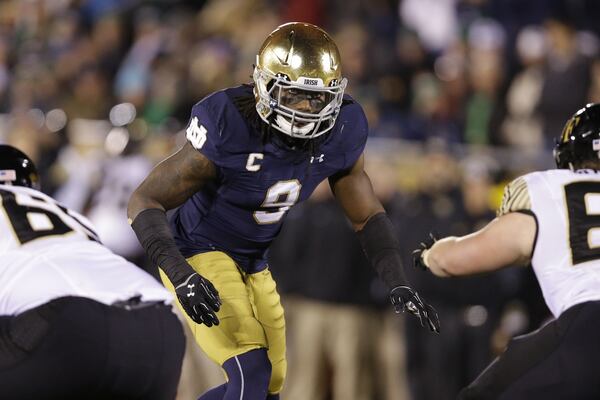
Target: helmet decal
[[572, 123]]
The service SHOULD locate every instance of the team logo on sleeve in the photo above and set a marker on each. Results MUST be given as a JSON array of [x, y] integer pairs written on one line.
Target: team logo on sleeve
[[196, 133]]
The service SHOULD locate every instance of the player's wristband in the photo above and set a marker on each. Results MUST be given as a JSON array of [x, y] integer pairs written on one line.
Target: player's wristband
[[152, 230], [380, 244]]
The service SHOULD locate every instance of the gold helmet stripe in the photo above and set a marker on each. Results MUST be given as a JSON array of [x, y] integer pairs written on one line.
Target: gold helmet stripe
[[571, 124]]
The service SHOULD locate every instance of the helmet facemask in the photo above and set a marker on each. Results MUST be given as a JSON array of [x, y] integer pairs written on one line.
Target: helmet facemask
[[277, 97]]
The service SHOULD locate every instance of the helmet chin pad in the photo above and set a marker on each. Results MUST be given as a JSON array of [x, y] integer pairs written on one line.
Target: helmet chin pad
[[286, 127]]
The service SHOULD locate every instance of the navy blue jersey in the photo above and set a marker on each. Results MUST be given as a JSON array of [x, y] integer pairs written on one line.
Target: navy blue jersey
[[258, 181]]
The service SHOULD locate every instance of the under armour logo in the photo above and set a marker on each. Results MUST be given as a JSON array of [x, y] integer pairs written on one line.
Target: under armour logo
[[319, 159], [190, 293]]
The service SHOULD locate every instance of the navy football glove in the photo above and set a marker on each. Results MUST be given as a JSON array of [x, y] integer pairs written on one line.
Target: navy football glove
[[405, 299], [199, 299], [418, 253]]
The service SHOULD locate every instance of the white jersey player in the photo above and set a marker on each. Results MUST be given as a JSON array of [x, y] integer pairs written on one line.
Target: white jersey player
[[566, 254], [551, 221], [41, 239], [65, 299]]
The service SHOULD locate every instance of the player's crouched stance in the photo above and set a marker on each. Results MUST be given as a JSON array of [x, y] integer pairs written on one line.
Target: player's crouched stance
[[253, 152], [548, 219], [76, 320]]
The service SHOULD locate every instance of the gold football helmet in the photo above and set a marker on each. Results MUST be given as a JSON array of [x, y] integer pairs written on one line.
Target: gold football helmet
[[297, 64]]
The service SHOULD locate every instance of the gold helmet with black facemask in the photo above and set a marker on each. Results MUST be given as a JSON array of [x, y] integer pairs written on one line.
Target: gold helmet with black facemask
[[299, 63]]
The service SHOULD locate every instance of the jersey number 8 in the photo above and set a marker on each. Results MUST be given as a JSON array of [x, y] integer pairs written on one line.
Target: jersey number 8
[[583, 205], [34, 217]]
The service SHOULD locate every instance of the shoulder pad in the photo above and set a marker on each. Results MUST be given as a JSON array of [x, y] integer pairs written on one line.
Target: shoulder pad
[[516, 197]]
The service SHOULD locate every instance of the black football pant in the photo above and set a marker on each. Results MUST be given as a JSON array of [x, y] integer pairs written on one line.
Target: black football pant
[[77, 348], [560, 361]]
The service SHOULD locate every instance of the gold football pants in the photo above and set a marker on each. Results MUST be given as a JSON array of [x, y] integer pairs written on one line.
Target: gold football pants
[[251, 315]]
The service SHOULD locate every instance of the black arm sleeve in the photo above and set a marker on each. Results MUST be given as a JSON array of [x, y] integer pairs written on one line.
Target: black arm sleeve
[[382, 248], [152, 230]]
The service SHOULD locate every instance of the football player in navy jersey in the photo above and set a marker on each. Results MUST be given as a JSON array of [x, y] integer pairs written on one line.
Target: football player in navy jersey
[[252, 152]]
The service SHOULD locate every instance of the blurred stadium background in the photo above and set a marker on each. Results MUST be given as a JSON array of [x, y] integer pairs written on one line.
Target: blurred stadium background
[[461, 96]]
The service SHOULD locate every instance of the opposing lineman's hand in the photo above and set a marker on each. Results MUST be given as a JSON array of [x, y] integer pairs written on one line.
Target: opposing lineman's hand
[[199, 299], [418, 253], [405, 299]]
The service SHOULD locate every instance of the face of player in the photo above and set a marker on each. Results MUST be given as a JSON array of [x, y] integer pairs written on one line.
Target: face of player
[[304, 100]]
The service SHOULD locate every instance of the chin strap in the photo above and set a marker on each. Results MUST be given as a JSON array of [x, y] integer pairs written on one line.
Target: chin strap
[[287, 126]]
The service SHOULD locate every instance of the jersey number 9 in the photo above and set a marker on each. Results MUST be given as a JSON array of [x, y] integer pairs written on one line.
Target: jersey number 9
[[279, 199]]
